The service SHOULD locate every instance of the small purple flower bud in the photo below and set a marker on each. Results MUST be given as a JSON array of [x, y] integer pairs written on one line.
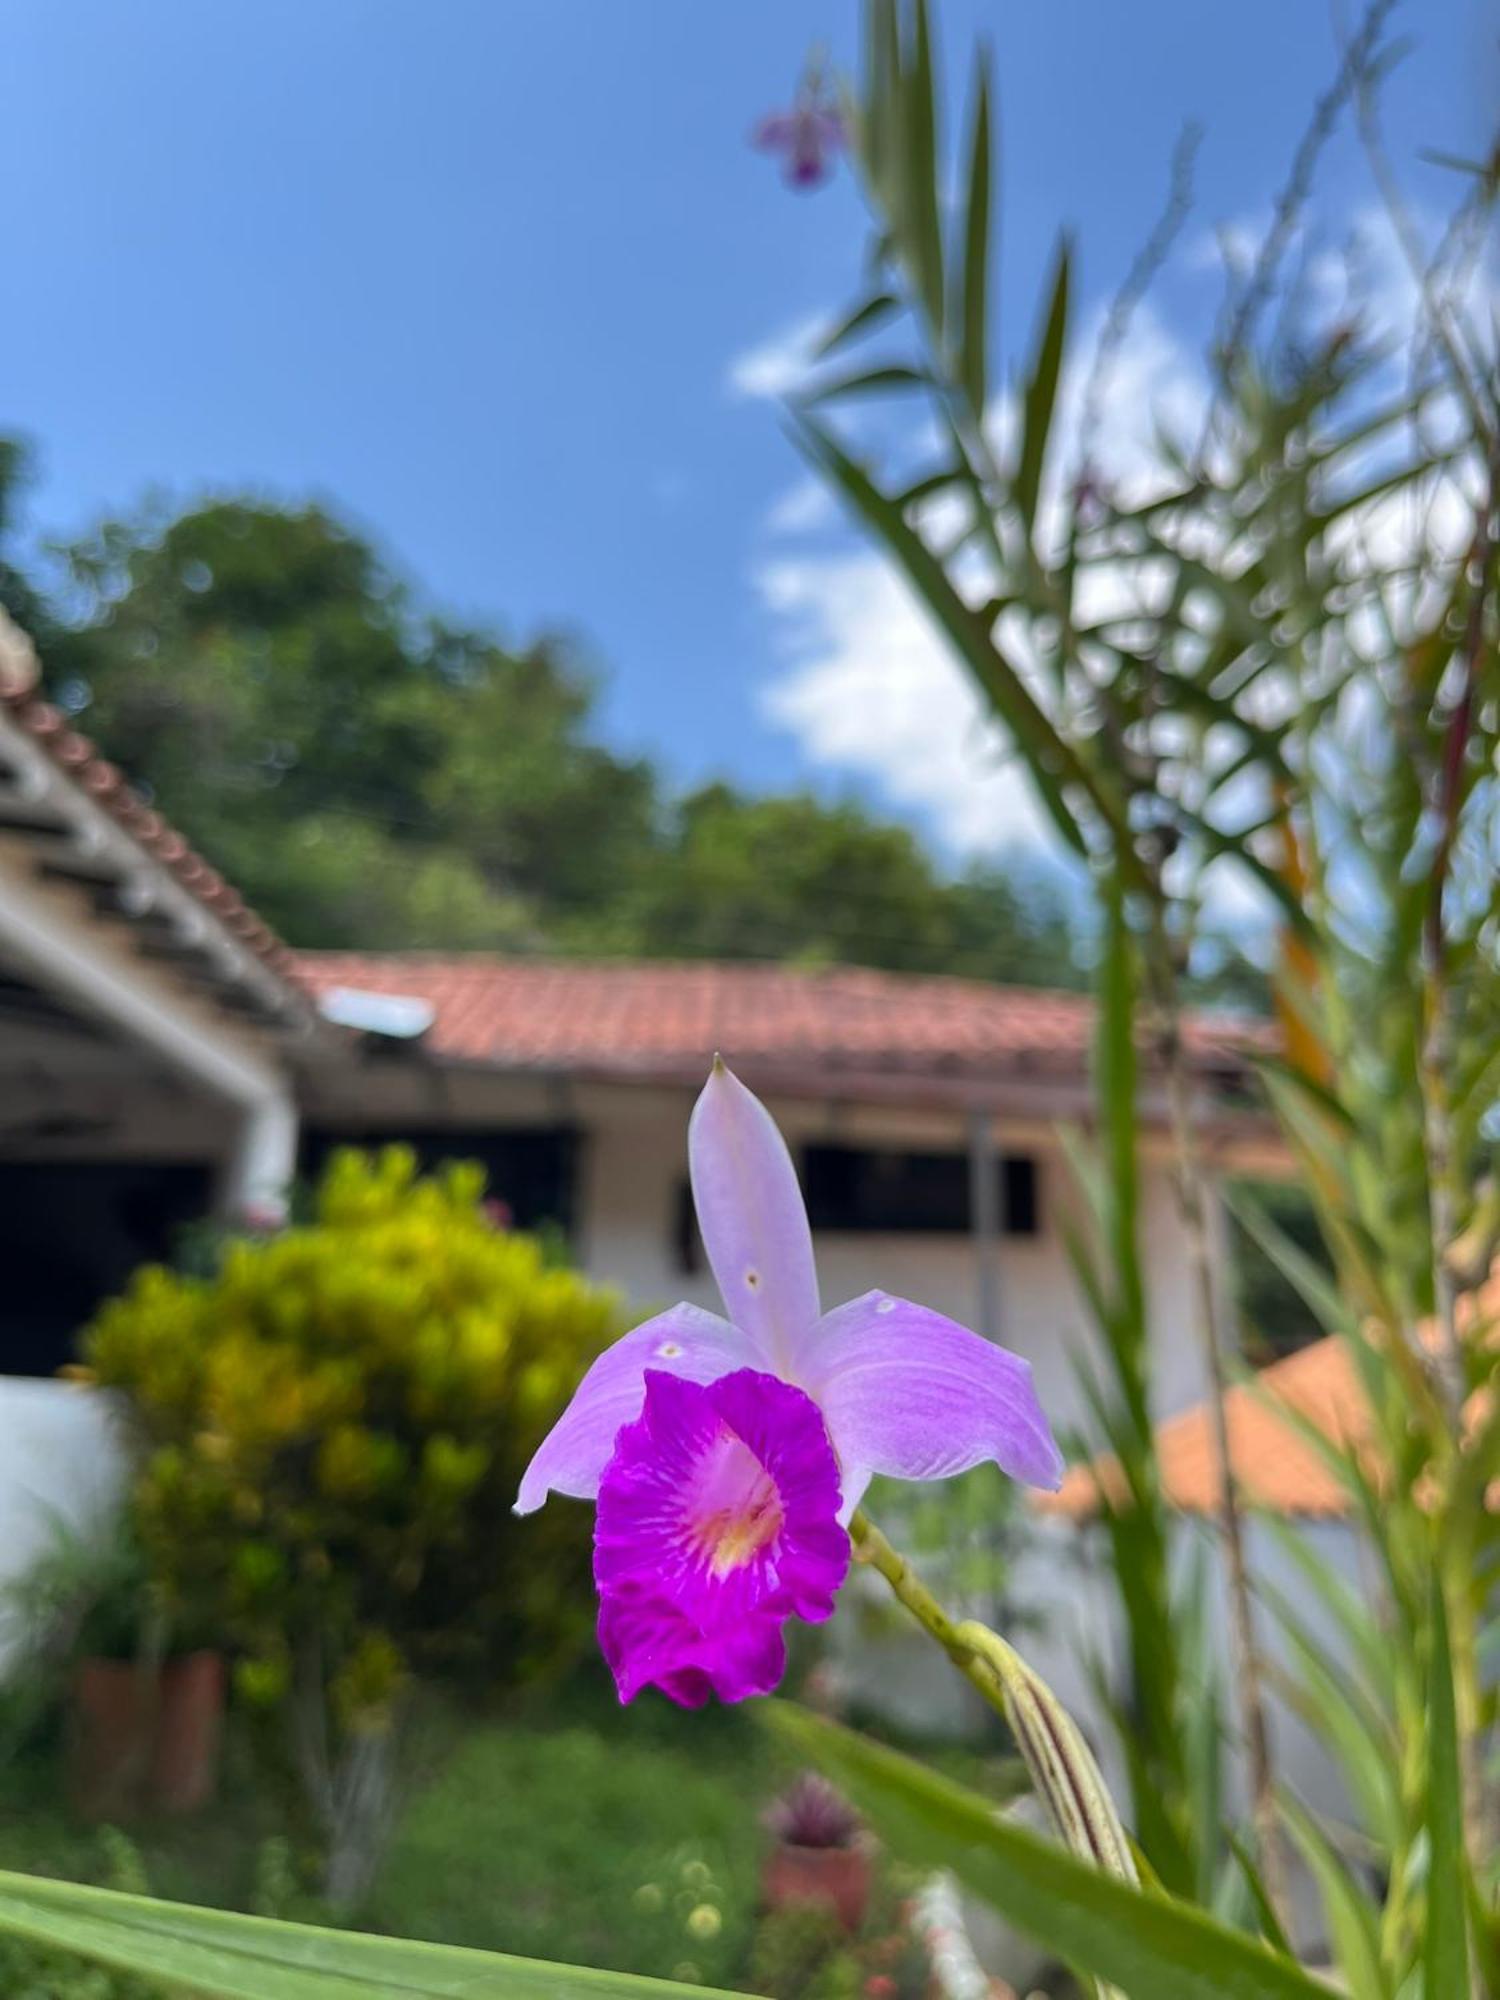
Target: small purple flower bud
[[809, 136]]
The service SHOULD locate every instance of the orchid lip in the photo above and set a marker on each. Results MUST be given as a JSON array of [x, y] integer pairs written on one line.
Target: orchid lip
[[717, 1521]]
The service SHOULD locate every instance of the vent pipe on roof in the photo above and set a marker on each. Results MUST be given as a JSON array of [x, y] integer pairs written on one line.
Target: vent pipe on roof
[[392, 1016]]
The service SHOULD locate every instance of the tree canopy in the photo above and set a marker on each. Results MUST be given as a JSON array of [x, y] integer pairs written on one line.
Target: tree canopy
[[371, 774]]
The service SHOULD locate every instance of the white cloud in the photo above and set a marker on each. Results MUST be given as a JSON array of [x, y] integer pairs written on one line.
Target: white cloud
[[869, 687], [1234, 244], [872, 689], [775, 367], [802, 509]]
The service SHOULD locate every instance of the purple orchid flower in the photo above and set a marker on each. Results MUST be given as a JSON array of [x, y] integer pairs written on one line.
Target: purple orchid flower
[[727, 1455], [808, 137]]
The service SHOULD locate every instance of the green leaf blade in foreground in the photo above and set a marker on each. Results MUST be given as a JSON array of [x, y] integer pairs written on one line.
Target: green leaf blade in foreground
[[974, 272], [221, 1955], [1353, 1921], [1446, 1952], [1041, 388], [1148, 1946], [862, 319], [920, 128]]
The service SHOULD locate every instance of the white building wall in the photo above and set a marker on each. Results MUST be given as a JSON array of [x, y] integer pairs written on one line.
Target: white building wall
[[62, 1469]]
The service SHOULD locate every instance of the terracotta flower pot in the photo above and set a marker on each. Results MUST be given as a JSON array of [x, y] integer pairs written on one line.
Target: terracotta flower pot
[[837, 1877], [190, 1733], [141, 1739]]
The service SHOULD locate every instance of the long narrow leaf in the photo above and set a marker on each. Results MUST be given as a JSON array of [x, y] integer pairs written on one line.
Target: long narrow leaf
[[893, 375], [1040, 399], [974, 272], [221, 1955], [1353, 1927], [1332, 1590], [1149, 1946], [1446, 1954], [1302, 1272], [920, 165], [863, 319], [1340, 1716]]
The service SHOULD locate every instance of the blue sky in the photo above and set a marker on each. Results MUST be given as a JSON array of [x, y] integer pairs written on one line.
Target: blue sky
[[485, 274]]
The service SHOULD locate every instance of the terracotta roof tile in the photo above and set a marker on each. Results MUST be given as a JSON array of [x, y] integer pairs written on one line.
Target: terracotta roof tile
[[633, 1019], [106, 786]]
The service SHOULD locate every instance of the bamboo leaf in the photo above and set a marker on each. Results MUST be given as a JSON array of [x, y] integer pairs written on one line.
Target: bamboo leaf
[[920, 208], [1339, 1597], [1265, 1909], [929, 484], [1040, 398], [1445, 1952], [864, 318], [975, 269], [1148, 1945], [865, 382], [1340, 1715], [875, 126], [221, 1955], [1303, 1273], [1352, 1924]]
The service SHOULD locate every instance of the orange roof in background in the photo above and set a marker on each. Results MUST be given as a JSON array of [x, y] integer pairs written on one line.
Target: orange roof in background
[[1275, 1467], [622, 1018]]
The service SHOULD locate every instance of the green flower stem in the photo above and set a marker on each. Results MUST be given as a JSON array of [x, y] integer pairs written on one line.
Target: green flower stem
[[1061, 1764]]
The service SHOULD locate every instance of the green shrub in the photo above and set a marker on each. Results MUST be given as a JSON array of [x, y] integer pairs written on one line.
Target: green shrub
[[334, 1424]]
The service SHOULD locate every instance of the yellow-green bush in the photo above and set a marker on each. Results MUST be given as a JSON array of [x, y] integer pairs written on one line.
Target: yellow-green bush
[[334, 1427]]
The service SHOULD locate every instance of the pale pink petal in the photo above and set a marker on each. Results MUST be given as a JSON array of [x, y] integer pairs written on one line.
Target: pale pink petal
[[752, 1218], [686, 1341], [912, 1394]]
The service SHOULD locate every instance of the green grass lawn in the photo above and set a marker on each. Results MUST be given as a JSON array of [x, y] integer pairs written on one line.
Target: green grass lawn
[[632, 1842], [566, 1828]]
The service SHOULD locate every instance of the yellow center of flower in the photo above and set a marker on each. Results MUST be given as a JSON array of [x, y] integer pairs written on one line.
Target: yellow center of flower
[[737, 1510]]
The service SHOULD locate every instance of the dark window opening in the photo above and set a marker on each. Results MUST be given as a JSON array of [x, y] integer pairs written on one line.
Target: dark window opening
[[1020, 1208], [687, 1244], [72, 1233], [900, 1193], [533, 1171]]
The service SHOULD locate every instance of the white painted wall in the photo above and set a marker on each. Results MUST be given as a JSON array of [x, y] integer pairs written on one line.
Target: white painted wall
[[62, 1463]]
